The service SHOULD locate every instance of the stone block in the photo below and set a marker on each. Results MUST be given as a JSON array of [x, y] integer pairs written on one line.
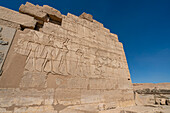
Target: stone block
[[18, 18], [125, 103], [9, 24], [112, 95], [107, 84], [67, 96], [124, 83], [158, 101], [53, 29], [106, 106], [33, 80], [129, 94], [53, 13], [91, 96], [86, 16], [110, 105], [32, 10], [24, 97], [20, 98], [54, 81], [142, 99], [71, 18], [100, 24], [77, 83], [163, 101], [69, 26], [114, 37], [35, 109]]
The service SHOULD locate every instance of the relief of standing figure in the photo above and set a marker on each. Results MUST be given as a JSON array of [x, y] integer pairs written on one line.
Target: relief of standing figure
[[79, 65], [63, 60], [47, 53]]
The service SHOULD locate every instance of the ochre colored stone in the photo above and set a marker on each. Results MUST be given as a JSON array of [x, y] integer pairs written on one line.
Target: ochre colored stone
[[18, 18], [62, 63], [33, 10], [86, 16]]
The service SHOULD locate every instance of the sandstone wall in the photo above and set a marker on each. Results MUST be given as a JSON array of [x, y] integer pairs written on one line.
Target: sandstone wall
[[56, 61]]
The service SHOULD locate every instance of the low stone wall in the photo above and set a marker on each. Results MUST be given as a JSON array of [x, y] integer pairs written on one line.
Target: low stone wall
[[152, 94]]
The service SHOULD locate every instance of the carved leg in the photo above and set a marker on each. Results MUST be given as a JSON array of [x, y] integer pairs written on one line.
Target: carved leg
[[44, 64]]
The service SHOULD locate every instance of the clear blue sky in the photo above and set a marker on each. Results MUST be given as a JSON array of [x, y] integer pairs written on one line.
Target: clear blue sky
[[143, 26]]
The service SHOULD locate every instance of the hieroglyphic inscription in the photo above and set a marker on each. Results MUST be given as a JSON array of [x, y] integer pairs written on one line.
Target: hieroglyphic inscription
[[6, 37]]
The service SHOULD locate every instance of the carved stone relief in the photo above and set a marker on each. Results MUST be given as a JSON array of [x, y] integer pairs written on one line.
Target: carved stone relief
[[62, 56], [82, 63], [44, 53]]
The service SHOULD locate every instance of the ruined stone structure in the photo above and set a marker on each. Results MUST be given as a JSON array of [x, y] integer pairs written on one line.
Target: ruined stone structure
[[52, 62], [152, 94]]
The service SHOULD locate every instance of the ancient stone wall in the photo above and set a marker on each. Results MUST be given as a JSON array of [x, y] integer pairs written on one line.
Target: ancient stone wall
[[56, 61], [152, 94]]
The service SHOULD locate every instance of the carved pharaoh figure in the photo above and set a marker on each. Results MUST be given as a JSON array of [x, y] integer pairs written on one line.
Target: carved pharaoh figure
[[63, 60]]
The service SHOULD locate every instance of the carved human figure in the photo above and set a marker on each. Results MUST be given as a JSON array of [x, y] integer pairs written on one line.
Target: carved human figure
[[31, 47], [48, 57], [63, 61], [2, 42], [79, 65]]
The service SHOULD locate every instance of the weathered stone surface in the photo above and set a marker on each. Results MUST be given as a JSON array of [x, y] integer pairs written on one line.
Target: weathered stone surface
[[9, 24], [41, 13], [66, 64], [86, 16], [33, 80], [106, 106], [32, 10], [138, 86], [15, 17], [53, 13]]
